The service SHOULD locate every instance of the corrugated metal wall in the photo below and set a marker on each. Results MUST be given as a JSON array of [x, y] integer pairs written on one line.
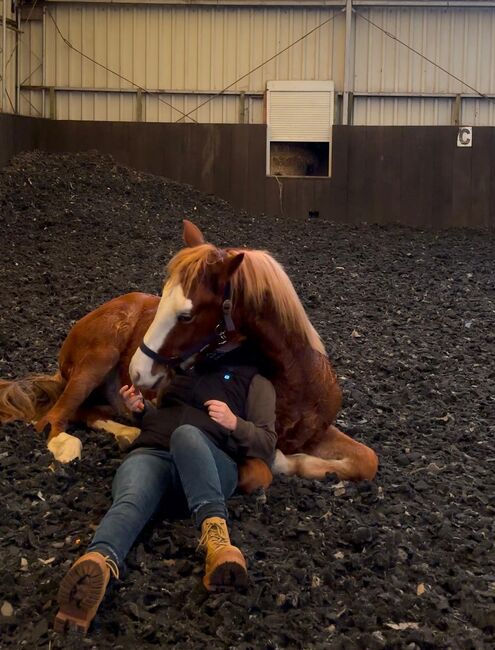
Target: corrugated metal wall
[[31, 64], [8, 87], [188, 52], [461, 41]]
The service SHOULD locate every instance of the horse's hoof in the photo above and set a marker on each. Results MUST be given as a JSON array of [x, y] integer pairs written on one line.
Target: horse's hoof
[[65, 447]]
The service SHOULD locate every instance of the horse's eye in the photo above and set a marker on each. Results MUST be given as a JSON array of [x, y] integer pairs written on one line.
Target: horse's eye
[[185, 318]]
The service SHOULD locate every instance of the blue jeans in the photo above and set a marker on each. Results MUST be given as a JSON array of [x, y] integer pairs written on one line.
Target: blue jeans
[[194, 477]]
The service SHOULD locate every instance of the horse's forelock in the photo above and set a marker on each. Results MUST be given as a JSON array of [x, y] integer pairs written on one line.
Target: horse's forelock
[[189, 265]]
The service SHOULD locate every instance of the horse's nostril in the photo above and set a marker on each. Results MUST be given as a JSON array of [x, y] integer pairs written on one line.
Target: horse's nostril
[[135, 378]]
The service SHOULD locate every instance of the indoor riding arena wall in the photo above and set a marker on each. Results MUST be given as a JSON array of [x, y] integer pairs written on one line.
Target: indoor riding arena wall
[[416, 176]]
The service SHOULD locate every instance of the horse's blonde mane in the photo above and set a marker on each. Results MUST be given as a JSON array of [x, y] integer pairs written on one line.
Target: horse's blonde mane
[[259, 277]]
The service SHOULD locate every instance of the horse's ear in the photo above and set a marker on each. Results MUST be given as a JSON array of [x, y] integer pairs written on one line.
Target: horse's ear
[[232, 265], [223, 270], [192, 235]]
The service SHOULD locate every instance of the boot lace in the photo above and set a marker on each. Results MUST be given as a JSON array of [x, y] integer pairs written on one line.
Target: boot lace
[[112, 565], [214, 533]]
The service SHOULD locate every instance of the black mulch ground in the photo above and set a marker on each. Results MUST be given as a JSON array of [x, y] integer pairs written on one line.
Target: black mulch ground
[[408, 318]]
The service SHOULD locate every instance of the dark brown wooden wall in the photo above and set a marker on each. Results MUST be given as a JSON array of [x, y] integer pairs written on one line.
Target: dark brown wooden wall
[[411, 175], [16, 134]]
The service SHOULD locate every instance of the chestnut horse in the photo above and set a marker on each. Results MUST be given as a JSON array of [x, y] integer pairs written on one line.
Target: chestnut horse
[[212, 297]]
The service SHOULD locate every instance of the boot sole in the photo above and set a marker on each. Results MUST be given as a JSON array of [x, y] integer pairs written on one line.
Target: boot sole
[[227, 577], [80, 593]]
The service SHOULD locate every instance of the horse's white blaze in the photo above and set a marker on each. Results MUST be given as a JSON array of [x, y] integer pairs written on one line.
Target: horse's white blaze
[[65, 447], [172, 303]]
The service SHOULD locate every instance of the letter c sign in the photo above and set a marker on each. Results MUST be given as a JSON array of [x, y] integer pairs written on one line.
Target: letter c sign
[[465, 136]]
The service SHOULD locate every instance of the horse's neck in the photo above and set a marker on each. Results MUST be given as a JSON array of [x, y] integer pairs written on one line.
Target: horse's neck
[[308, 395], [294, 364], [289, 358]]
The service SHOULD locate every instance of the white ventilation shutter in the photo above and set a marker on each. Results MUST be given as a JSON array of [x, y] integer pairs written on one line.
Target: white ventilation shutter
[[300, 117], [299, 112]]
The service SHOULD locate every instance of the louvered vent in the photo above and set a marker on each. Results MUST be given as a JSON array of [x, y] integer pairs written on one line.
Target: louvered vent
[[299, 112]]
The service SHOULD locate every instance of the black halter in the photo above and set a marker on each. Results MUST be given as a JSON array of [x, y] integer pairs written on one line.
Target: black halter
[[211, 342]]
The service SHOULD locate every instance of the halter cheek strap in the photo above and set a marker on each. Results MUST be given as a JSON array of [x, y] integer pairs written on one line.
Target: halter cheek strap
[[227, 309], [215, 340]]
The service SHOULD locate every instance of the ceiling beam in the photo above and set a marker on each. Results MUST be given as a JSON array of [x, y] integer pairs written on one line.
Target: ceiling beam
[[330, 4]]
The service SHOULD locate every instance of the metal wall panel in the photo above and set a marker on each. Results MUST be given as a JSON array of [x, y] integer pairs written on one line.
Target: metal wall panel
[[31, 49], [407, 111], [404, 111], [476, 112], [155, 108], [460, 41], [197, 50], [185, 48], [8, 59], [226, 109]]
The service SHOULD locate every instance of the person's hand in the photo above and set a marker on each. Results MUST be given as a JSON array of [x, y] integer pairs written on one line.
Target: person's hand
[[133, 398], [219, 412]]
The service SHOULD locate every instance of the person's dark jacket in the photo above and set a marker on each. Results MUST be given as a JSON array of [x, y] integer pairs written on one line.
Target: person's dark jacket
[[250, 396]]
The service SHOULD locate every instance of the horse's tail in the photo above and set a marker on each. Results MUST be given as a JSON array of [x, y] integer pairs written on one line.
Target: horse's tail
[[30, 398]]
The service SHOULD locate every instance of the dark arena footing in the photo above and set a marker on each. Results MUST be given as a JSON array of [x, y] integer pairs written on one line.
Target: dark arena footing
[[408, 319]]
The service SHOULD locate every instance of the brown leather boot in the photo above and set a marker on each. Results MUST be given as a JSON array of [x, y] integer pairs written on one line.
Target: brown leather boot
[[81, 591], [225, 565]]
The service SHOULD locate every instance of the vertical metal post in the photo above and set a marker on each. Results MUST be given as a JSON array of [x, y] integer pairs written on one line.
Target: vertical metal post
[[348, 65], [18, 59], [139, 105], [456, 110], [43, 62], [4, 52], [53, 103], [242, 107]]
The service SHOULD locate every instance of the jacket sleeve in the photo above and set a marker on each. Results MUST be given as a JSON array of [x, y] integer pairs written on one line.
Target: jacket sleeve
[[137, 416], [256, 435]]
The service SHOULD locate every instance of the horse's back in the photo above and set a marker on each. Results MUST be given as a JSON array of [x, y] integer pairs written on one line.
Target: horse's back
[[112, 325], [121, 305]]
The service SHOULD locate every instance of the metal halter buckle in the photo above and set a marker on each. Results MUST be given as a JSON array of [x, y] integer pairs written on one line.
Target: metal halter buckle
[[222, 335]]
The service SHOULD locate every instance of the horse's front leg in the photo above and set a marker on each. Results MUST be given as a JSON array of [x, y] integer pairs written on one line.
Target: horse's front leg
[[100, 419], [334, 453], [83, 380]]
